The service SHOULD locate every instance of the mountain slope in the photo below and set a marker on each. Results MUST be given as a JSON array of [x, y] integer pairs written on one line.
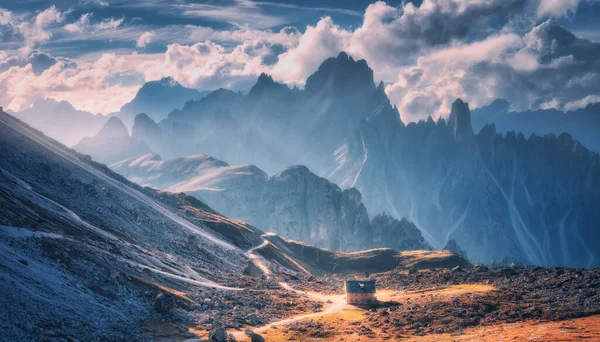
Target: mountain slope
[[294, 203], [497, 196], [76, 235]]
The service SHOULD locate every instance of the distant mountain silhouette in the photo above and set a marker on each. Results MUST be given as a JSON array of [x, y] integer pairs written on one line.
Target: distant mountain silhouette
[[583, 124], [157, 99], [275, 126], [61, 121], [112, 144], [497, 195]]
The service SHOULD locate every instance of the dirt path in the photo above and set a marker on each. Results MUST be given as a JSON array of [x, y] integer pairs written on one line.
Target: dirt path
[[331, 304]]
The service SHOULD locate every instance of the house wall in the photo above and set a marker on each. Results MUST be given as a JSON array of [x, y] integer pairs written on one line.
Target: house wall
[[360, 298]]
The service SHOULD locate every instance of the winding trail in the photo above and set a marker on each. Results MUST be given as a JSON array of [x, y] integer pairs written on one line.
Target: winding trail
[[331, 304], [259, 261]]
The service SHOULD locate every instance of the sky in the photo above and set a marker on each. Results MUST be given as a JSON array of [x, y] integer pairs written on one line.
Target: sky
[[97, 53]]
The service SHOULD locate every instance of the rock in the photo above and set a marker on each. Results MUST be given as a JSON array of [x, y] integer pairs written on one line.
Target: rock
[[457, 269], [218, 334], [396, 234], [256, 338], [482, 268], [165, 304]]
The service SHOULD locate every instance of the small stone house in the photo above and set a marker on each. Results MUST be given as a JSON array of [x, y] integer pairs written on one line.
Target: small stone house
[[361, 292]]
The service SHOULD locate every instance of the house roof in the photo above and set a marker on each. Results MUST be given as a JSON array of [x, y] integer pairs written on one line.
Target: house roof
[[360, 286]]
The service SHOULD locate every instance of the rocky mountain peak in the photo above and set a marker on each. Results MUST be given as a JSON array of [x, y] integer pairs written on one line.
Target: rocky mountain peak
[[593, 108], [165, 82], [266, 84], [339, 72], [114, 127], [499, 105], [396, 234], [65, 106], [353, 195], [460, 120], [295, 170], [143, 119], [144, 127], [44, 103]]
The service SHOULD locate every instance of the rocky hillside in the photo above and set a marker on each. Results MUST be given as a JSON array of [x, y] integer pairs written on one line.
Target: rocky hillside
[[294, 203], [496, 195], [112, 143]]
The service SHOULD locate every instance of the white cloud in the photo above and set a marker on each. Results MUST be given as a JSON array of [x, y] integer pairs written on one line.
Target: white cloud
[[80, 25], [145, 39], [35, 32], [109, 24], [48, 16], [581, 103], [547, 67], [83, 84], [556, 8], [421, 50], [304, 8], [5, 16], [242, 13], [84, 25], [100, 3], [316, 44]]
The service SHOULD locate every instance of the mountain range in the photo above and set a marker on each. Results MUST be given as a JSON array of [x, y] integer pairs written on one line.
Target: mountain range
[[61, 121], [273, 126], [582, 124], [494, 194], [497, 195], [157, 99], [294, 202]]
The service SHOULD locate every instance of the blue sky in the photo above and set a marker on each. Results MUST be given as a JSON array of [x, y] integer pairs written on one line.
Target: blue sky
[[140, 16], [96, 53]]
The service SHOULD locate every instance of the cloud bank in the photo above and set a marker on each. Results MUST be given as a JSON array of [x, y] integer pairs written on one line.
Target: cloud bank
[[428, 55]]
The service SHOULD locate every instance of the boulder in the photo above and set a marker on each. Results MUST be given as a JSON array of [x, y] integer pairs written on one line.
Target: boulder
[[164, 304]]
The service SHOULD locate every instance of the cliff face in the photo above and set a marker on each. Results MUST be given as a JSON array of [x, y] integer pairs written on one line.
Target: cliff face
[[496, 195]]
